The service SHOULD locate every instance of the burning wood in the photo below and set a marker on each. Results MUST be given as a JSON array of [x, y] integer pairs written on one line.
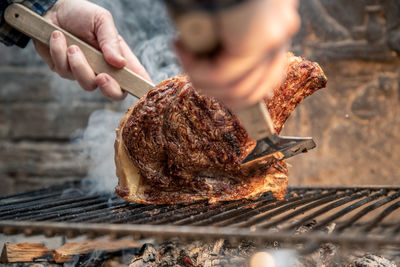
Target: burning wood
[[197, 253], [25, 252], [67, 252], [31, 252], [222, 253]]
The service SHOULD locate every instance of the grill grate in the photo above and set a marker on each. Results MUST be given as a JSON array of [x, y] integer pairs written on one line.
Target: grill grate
[[346, 215]]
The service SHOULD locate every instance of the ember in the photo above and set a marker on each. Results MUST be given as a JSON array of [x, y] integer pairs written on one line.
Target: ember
[[321, 223]]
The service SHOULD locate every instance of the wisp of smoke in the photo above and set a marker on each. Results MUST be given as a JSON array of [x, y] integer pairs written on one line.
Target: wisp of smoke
[[274, 258], [98, 139], [145, 26]]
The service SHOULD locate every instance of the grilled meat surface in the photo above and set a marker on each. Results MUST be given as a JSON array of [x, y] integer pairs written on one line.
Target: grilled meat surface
[[177, 145]]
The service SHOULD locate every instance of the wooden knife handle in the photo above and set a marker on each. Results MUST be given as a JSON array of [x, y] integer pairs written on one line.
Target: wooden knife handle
[[256, 120], [36, 27]]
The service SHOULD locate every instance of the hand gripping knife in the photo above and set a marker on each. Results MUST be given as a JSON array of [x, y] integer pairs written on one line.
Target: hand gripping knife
[[197, 22]]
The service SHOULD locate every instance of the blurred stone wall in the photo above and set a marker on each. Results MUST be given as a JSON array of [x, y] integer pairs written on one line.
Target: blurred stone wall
[[355, 120], [37, 126], [44, 136]]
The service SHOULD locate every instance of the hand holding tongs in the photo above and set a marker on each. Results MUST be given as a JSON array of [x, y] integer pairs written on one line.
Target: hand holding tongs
[[255, 119], [198, 23], [36, 27]]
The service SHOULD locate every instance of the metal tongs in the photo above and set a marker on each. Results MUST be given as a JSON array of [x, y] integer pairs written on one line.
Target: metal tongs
[[198, 23], [270, 146], [255, 119]]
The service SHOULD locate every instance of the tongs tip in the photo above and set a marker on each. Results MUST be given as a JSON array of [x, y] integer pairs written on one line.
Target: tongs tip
[[275, 148]]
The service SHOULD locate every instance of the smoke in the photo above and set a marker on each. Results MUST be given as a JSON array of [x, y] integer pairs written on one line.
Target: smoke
[[274, 258], [145, 26], [98, 139]]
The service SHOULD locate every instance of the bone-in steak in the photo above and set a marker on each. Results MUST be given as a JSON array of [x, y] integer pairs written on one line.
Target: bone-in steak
[[177, 145]]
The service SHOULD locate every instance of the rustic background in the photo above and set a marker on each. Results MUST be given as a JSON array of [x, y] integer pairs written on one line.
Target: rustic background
[[355, 120]]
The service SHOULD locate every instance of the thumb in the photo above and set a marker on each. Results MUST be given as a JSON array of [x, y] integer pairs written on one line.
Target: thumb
[[108, 39]]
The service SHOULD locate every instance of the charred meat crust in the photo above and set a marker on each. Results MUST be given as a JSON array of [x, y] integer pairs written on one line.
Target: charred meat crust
[[188, 146]]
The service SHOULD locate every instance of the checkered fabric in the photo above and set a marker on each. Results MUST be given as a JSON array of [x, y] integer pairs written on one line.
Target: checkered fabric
[[10, 36]]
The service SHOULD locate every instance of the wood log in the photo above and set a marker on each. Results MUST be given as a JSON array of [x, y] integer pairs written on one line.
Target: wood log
[[25, 252], [67, 252]]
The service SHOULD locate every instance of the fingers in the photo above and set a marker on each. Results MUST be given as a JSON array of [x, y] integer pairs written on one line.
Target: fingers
[[133, 62], [108, 38], [247, 88], [243, 72], [281, 22], [58, 53], [292, 17], [67, 62], [71, 63], [270, 79], [219, 71], [80, 68], [272, 23], [87, 79], [109, 87], [43, 51]]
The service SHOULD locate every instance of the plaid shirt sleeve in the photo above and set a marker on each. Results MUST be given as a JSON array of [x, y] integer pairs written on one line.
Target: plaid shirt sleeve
[[10, 36]]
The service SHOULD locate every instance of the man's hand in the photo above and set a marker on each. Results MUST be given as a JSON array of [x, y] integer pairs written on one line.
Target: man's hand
[[94, 25], [252, 62]]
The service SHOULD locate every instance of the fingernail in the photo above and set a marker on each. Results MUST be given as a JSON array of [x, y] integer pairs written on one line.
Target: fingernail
[[103, 81], [56, 35], [118, 55], [72, 50], [120, 58]]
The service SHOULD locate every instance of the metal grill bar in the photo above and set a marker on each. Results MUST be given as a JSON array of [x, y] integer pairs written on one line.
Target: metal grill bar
[[208, 232], [323, 200], [173, 214], [217, 217], [382, 216], [73, 210], [27, 202], [159, 214], [28, 210], [91, 212], [349, 209], [397, 230], [366, 210], [228, 213], [55, 213], [327, 209], [41, 192], [132, 212]]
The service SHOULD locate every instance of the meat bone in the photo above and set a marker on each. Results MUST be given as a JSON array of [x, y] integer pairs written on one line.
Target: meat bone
[[255, 119]]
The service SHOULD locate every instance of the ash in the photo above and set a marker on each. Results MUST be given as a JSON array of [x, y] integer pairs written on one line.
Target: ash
[[332, 255], [370, 260], [197, 253], [222, 253]]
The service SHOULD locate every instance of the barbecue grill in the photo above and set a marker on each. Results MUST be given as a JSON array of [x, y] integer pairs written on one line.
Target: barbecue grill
[[349, 216]]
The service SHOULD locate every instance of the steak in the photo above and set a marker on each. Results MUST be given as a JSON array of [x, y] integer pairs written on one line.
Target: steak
[[177, 145]]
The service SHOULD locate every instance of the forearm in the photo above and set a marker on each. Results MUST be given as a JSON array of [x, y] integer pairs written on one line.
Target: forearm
[[10, 36]]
